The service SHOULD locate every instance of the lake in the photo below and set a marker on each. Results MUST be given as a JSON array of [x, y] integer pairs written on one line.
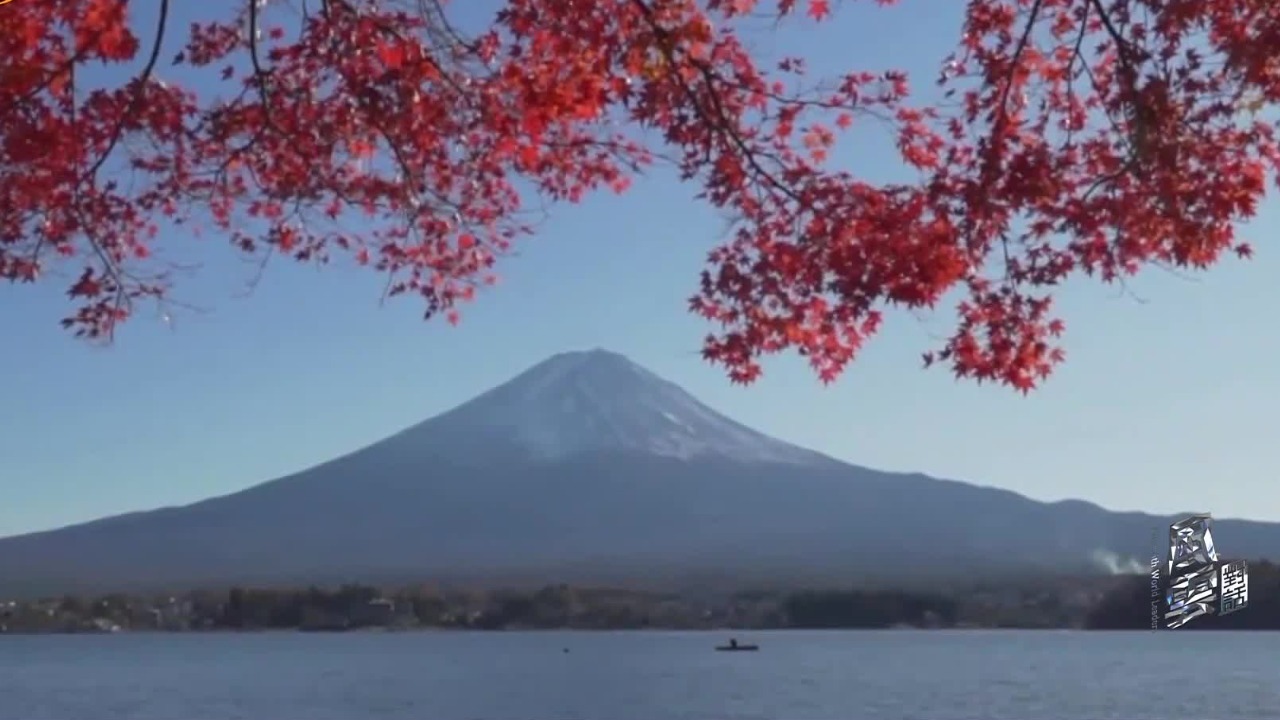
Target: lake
[[890, 675]]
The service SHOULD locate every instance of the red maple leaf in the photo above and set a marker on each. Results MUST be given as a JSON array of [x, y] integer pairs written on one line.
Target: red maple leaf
[[819, 9], [391, 54]]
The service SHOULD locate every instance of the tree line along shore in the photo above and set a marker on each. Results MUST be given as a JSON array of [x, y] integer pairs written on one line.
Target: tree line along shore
[[1115, 602]]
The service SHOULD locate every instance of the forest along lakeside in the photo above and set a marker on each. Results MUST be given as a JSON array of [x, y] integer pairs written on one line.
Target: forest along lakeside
[[1112, 602]]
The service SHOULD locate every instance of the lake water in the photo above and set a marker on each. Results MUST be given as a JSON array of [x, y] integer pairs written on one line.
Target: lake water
[[939, 675]]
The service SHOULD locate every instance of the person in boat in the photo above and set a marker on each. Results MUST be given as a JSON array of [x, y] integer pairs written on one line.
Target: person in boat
[[733, 642]]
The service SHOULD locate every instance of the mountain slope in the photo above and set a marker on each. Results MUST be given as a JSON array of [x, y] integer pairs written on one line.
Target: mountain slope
[[588, 467]]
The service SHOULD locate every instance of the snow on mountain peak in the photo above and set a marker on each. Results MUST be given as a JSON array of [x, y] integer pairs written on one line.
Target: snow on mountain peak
[[596, 400]]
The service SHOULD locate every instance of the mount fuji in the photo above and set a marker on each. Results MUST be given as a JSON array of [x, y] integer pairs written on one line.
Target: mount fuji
[[598, 401], [589, 468]]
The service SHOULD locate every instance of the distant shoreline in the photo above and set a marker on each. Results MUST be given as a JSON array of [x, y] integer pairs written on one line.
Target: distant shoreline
[[1120, 603], [588, 630]]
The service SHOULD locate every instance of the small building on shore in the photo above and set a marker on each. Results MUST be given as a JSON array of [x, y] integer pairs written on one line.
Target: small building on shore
[[377, 612]]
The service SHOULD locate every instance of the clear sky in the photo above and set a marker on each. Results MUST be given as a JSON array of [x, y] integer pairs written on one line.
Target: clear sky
[[1166, 403]]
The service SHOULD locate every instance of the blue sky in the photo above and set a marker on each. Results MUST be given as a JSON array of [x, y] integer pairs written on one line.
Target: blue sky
[[1166, 402]]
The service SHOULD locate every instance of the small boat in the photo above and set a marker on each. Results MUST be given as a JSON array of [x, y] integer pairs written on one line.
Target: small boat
[[733, 646]]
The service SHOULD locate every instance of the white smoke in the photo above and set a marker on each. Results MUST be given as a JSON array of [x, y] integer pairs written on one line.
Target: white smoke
[[1116, 565]]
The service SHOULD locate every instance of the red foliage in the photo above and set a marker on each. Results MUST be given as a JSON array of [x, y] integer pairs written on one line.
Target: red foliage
[[1094, 136]]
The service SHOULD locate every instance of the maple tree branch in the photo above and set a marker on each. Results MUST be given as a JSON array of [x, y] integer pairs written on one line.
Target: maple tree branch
[[1123, 46], [112, 267], [720, 120], [997, 141], [259, 75], [141, 82], [261, 80], [395, 34], [67, 66], [414, 183], [1002, 116], [1139, 121], [432, 134], [1076, 55], [442, 23]]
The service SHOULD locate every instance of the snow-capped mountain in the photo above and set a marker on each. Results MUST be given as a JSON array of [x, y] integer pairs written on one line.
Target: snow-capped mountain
[[587, 468], [599, 401]]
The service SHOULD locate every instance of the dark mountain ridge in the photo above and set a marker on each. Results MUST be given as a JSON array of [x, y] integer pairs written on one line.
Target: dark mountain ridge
[[589, 468]]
